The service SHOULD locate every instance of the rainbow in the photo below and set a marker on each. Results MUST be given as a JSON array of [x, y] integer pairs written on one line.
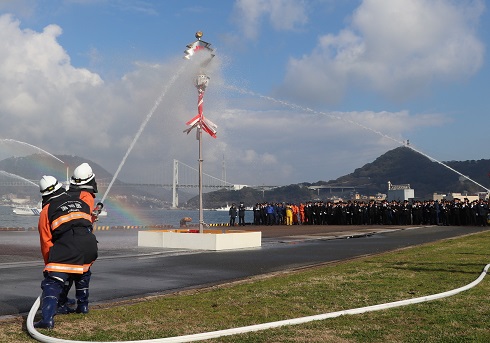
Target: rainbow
[[120, 214]]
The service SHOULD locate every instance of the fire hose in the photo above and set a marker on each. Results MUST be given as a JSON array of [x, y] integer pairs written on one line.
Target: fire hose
[[258, 327]]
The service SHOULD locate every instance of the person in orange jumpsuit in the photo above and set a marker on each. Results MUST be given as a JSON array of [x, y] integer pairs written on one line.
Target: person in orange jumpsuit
[[68, 246], [302, 212], [295, 213]]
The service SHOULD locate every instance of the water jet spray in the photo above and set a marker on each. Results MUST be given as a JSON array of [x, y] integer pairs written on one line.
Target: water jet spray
[[349, 121], [32, 146], [142, 127], [3, 172]]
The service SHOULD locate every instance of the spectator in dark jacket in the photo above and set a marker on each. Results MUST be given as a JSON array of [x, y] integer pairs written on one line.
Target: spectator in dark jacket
[[233, 213]]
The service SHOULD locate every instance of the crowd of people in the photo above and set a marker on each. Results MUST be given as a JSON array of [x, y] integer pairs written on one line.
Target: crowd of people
[[429, 212]]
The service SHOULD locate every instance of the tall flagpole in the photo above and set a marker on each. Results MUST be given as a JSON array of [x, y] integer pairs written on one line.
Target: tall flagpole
[[201, 84], [199, 121], [201, 211]]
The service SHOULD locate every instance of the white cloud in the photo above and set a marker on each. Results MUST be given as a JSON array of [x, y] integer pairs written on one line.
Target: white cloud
[[292, 144], [37, 82], [395, 48], [283, 15], [47, 102]]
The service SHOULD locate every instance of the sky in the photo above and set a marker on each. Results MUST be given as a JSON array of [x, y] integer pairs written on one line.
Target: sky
[[301, 90]]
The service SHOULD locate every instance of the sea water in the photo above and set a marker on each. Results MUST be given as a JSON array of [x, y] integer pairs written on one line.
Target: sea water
[[138, 217]]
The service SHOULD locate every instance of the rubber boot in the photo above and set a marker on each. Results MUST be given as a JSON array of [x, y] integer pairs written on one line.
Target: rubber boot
[[48, 311], [82, 292], [64, 296], [51, 291], [64, 301], [65, 309], [82, 301]]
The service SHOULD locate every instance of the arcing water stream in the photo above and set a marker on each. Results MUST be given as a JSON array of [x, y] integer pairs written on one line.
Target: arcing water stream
[[142, 127], [31, 146], [307, 109], [15, 176]]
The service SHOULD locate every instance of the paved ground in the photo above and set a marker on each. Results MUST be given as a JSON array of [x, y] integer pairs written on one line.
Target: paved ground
[[16, 246], [125, 271], [333, 231]]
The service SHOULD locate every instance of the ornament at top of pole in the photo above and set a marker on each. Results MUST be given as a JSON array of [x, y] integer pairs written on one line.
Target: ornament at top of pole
[[198, 45]]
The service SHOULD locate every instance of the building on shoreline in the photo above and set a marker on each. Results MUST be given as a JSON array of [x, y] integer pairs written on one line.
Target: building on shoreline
[[400, 192]]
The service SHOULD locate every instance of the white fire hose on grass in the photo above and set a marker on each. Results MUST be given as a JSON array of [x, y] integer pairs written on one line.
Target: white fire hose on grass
[[258, 327]]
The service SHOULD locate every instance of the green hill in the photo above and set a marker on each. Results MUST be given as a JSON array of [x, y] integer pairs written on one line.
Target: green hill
[[399, 166], [405, 166]]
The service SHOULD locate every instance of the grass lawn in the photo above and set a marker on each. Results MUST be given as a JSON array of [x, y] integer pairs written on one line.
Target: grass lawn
[[403, 274]]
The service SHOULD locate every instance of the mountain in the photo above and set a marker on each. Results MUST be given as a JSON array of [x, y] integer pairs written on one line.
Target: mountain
[[399, 166], [406, 166]]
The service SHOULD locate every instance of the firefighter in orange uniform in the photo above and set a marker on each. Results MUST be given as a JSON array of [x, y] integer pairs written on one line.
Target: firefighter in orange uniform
[[68, 247], [84, 187]]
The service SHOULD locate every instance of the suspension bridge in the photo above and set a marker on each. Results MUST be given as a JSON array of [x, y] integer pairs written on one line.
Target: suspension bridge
[[183, 177]]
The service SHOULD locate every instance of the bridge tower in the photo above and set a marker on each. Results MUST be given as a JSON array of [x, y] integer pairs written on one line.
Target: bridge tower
[[175, 185]]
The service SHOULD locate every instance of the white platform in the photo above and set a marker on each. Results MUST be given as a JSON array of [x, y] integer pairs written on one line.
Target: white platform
[[209, 240]]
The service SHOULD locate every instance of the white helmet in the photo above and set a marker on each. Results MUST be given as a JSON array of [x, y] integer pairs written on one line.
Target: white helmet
[[82, 174], [48, 185]]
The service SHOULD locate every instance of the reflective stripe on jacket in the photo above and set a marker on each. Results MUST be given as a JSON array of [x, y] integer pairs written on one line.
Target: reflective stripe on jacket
[[67, 243]]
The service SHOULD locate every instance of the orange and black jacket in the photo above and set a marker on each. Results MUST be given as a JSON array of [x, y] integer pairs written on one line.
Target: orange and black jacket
[[67, 244], [87, 196]]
